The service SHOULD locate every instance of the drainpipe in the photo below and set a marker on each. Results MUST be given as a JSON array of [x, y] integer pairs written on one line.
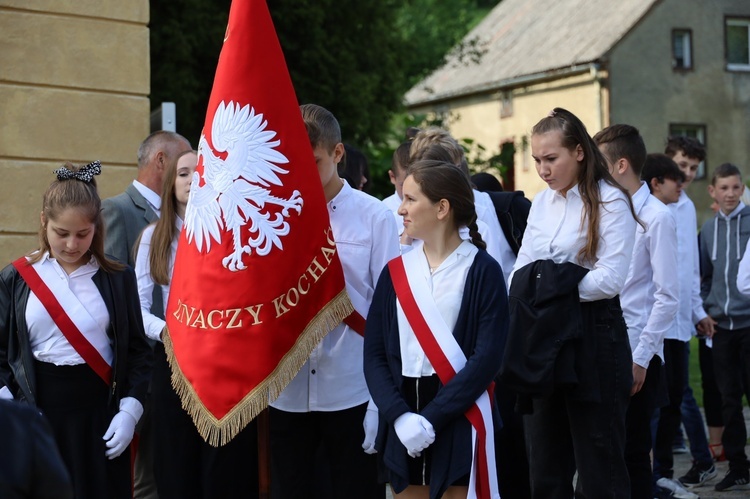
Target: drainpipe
[[594, 72]]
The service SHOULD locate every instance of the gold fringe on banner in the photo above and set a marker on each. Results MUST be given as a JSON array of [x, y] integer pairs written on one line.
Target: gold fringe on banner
[[218, 432]]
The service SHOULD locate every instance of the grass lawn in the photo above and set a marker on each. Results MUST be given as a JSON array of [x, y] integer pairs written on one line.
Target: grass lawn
[[695, 372]]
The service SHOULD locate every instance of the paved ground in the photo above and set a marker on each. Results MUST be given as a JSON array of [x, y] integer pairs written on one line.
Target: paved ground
[[682, 463]]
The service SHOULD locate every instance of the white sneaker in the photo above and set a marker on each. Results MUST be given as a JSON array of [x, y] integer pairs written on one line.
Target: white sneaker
[[677, 490]]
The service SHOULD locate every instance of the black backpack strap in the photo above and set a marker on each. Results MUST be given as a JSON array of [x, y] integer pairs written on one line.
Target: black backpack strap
[[512, 209]]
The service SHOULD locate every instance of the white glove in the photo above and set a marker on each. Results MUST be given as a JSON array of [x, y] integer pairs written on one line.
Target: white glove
[[370, 424], [119, 434], [415, 432]]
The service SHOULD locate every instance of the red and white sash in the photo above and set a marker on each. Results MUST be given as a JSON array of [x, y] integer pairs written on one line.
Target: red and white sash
[[356, 320], [80, 329], [447, 358]]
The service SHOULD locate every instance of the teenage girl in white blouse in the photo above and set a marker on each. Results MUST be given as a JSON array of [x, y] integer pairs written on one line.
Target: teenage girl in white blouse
[[92, 410], [586, 218], [184, 464]]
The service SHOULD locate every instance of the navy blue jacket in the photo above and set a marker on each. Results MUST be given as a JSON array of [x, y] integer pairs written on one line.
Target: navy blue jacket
[[481, 330]]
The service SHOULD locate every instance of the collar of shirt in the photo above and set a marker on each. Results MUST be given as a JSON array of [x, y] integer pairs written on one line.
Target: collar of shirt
[[573, 190], [464, 250], [640, 197], [88, 269], [153, 199], [734, 213], [340, 198], [684, 198]]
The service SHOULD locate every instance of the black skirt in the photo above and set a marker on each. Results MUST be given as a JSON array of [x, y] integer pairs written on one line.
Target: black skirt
[[75, 400], [418, 392]]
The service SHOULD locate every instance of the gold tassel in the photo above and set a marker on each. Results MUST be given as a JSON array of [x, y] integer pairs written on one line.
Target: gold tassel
[[218, 432]]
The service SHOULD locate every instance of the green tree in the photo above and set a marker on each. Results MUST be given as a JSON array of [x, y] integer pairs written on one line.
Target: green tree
[[355, 58], [344, 57], [186, 37]]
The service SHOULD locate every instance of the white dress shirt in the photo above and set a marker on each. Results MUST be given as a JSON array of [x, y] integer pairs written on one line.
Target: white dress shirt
[[554, 232], [152, 198], [392, 202], [497, 245], [48, 343], [151, 323], [333, 379], [649, 298], [447, 285], [690, 310]]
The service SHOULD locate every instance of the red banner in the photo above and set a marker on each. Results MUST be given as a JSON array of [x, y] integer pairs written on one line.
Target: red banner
[[257, 281]]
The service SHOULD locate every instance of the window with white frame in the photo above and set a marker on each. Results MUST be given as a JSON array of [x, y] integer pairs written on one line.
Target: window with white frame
[[695, 132], [738, 43], [682, 49]]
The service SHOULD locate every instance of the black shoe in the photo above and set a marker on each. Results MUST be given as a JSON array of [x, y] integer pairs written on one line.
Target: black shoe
[[734, 480], [698, 475]]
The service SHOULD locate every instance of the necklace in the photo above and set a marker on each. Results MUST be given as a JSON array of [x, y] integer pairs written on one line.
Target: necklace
[[433, 269]]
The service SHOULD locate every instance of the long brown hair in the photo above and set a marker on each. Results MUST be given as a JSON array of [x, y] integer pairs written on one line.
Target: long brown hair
[[593, 168], [442, 180], [81, 195], [160, 251]]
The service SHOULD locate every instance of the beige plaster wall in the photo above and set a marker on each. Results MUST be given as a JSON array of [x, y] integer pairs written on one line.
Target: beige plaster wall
[[478, 117], [74, 85], [647, 93]]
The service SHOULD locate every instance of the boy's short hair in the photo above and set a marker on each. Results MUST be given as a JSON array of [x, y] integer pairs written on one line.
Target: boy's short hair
[[725, 170], [400, 161], [322, 127], [660, 167], [690, 147], [623, 141], [438, 136]]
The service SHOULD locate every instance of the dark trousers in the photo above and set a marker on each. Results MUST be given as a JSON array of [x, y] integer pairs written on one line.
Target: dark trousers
[[296, 437], [711, 395], [670, 415], [638, 431], [731, 355], [185, 466], [563, 433], [510, 448], [75, 401]]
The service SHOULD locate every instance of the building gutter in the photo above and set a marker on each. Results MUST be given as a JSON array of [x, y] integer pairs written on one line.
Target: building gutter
[[517, 81]]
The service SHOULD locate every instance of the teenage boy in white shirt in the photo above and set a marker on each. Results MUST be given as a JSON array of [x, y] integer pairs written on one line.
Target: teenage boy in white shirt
[[648, 299], [326, 404], [665, 179], [688, 153]]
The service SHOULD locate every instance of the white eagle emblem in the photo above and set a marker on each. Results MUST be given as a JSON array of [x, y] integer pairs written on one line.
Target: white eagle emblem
[[237, 189]]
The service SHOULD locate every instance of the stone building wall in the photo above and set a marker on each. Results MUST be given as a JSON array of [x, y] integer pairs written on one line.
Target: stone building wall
[[74, 85]]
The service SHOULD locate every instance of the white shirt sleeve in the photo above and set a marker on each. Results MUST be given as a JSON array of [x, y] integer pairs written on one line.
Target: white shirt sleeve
[[5, 393], [152, 324], [616, 229], [743, 273], [663, 253], [697, 313], [385, 246]]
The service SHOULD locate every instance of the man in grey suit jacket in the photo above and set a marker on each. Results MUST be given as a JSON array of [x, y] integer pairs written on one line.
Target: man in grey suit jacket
[[125, 217], [127, 214]]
